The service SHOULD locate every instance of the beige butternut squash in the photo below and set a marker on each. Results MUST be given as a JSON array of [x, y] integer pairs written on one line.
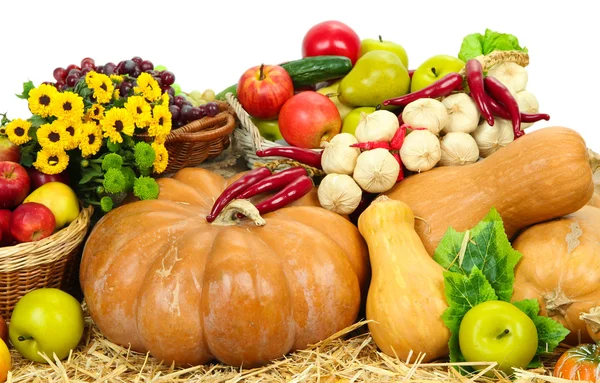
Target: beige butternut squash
[[406, 297], [542, 175]]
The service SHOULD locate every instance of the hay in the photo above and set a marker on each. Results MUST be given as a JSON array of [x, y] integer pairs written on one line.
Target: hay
[[346, 357]]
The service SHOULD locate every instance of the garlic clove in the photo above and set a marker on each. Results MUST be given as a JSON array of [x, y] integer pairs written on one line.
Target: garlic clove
[[528, 103], [458, 148], [376, 170], [339, 193], [381, 125], [463, 113], [511, 74], [421, 151], [338, 157], [426, 113], [491, 138]]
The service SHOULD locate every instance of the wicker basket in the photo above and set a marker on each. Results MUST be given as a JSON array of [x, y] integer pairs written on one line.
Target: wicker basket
[[45, 263], [200, 140]]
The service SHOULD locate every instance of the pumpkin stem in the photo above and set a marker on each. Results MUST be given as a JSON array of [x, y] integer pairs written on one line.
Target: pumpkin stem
[[592, 319], [229, 214], [557, 302]]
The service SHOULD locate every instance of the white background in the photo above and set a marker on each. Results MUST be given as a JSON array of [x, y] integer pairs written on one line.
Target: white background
[[210, 44]]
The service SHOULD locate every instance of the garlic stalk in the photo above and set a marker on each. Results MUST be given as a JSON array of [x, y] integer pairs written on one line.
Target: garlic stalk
[[511, 74], [426, 113], [377, 126], [421, 151], [339, 193], [463, 113], [458, 149], [491, 138], [528, 103], [376, 170], [338, 157]]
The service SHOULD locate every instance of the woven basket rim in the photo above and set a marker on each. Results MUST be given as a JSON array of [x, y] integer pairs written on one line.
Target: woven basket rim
[[29, 254]]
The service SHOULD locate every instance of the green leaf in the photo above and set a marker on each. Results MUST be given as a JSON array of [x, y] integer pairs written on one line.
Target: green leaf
[[89, 175], [476, 44], [486, 248], [27, 87], [37, 121], [462, 294], [550, 332], [28, 154]]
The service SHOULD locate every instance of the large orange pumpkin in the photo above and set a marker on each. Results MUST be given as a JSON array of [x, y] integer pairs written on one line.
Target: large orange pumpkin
[[157, 276]]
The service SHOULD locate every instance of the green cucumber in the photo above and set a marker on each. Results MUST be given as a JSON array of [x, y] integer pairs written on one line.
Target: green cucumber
[[308, 71]]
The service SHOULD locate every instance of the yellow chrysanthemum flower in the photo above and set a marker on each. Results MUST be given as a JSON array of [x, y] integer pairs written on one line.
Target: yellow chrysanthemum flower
[[162, 158], [103, 88], [73, 129], [96, 112], [90, 139], [117, 121], [148, 87], [89, 77], [116, 78], [116, 94], [161, 121], [160, 139], [18, 131], [140, 110], [41, 100], [67, 106], [164, 99], [53, 137], [51, 163]]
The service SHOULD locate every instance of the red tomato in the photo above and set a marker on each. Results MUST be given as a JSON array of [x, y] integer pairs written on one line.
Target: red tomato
[[579, 363], [331, 38]]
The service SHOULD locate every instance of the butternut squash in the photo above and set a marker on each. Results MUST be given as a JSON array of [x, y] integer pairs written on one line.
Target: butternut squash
[[406, 297], [542, 175], [560, 268]]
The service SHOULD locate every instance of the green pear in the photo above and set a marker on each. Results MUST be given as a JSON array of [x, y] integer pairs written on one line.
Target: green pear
[[351, 121], [368, 45], [376, 76], [332, 91]]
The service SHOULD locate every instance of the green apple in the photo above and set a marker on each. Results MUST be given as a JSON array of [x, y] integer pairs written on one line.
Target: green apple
[[269, 129], [47, 320], [368, 45], [497, 331], [433, 69], [332, 92], [351, 121]]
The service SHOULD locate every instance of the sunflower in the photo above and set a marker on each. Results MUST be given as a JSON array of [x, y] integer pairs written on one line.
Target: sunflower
[[41, 100], [67, 106], [89, 77], [90, 139], [117, 121], [148, 87], [164, 99], [18, 131], [53, 137], [140, 110], [161, 121], [96, 112], [49, 162], [102, 86], [73, 129], [116, 78], [162, 158]]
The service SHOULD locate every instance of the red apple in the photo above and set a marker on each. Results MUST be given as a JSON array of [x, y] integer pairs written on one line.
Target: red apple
[[5, 215], [8, 150], [309, 118], [38, 178], [32, 221], [14, 184], [262, 90]]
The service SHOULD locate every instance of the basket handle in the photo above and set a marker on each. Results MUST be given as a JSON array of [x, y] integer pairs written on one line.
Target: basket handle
[[245, 121]]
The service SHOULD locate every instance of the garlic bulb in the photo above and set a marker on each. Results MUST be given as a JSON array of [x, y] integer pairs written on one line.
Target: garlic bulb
[[458, 148], [339, 193], [491, 138], [511, 74], [338, 156], [463, 113], [377, 126], [528, 103], [421, 151], [376, 170], [426, 113]]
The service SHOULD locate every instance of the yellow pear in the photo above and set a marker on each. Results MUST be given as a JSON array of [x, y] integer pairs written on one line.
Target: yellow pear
[[331, 91], [60, 199]]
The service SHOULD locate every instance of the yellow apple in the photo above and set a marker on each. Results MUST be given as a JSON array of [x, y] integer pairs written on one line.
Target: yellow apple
[[60, 199], [331, 91], [5, 361]]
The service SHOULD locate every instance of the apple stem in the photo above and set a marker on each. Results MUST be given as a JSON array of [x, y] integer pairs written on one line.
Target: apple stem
[[380, 39], [261, 74], [503, 334], [24, 338]]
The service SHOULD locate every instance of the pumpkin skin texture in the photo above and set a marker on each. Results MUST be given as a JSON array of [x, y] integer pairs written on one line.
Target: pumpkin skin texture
[[156, 275], [580, 363], [540, 176], [406, 296], [560, 267]]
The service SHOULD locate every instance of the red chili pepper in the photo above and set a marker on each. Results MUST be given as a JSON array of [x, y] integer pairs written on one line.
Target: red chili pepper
[[273, 182], [398, 139], [306, 156], [370, 145], [235, 189], [499, 110], [401, 173], [501, 94], [534, 117], [474, 72], [442, 87], [292, 192]]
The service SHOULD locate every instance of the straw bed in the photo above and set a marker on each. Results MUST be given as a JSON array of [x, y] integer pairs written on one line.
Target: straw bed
[[348, 356]]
